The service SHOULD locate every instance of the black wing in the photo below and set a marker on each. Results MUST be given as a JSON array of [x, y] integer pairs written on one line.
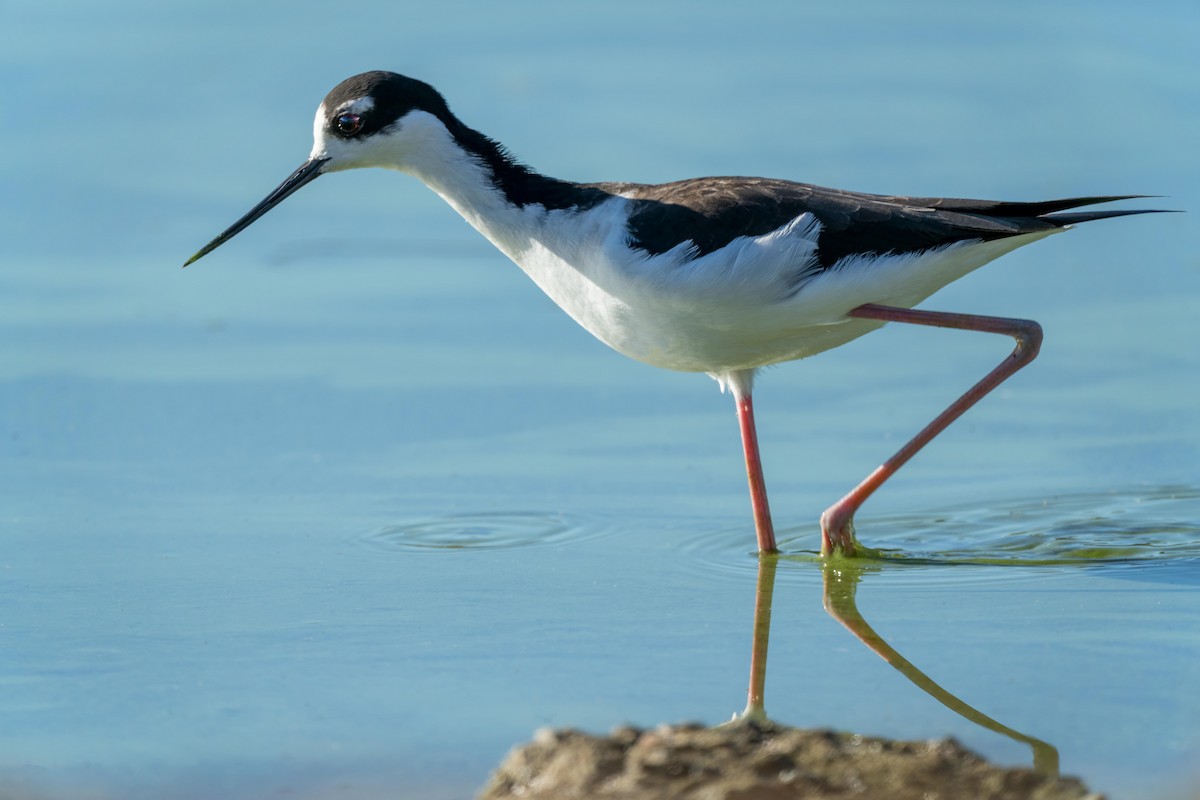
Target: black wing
[[711, 212]]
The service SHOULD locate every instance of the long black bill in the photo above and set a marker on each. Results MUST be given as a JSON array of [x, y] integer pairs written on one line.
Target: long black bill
[[310, 170]]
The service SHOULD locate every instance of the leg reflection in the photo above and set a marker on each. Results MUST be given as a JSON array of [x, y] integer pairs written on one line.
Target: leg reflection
[[841, 585], [765, 588]]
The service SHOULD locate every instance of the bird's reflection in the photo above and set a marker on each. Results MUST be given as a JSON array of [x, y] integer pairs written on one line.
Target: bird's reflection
[[841, 579]]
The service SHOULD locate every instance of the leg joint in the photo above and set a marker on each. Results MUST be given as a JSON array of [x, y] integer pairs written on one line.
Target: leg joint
[[1029, 339]]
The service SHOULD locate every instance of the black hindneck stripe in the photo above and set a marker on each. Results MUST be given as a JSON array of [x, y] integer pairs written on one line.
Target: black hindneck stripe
[[521, 185]]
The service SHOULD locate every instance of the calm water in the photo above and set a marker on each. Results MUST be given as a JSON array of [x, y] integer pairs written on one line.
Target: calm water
[[349, 508]]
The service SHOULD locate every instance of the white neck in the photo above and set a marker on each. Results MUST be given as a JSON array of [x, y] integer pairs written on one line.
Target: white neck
[[464, 181], [564, 250]]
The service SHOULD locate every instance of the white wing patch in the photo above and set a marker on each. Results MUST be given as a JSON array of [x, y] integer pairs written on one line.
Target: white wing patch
[[756, 269]]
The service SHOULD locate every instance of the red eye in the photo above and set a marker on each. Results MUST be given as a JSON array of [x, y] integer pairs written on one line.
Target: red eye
[[348, 124]]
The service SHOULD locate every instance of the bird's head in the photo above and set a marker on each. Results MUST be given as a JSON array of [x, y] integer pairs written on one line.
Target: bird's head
[[376, 119]]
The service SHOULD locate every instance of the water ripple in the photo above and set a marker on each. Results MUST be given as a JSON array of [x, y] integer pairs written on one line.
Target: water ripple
[[1155, 525], [1081, 529], [481, 531]]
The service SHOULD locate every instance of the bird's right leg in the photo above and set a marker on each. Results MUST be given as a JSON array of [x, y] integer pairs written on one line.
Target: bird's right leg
[[837, 523]]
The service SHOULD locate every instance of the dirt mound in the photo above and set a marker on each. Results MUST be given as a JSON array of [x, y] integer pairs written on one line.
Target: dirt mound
[[751, 761]]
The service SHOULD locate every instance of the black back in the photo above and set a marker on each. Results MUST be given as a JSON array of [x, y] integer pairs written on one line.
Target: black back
[[711, 212]]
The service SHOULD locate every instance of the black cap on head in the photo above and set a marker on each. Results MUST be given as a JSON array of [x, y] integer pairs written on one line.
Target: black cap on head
[[393, 96]]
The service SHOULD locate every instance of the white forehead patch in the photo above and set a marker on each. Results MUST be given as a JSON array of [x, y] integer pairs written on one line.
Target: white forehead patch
[[319, 132], [359, 105]]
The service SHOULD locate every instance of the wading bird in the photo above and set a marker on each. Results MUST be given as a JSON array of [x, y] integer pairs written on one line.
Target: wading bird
[[714, 275]]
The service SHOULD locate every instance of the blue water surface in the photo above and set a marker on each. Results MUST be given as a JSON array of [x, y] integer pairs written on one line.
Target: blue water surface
[[349, 508]]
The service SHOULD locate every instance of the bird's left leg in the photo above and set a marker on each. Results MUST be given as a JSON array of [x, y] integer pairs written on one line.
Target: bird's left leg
[[740, 384], [837, 523]]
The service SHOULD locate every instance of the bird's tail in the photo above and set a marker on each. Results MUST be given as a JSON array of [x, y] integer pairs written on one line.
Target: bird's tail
[[1053, 211], [1087, 216]]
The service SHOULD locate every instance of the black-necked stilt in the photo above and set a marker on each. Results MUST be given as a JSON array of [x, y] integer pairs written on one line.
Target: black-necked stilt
[[715, 275]]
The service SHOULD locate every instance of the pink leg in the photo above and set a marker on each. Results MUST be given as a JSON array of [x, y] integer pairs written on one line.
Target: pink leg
[[837, 523], [758, 487]]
